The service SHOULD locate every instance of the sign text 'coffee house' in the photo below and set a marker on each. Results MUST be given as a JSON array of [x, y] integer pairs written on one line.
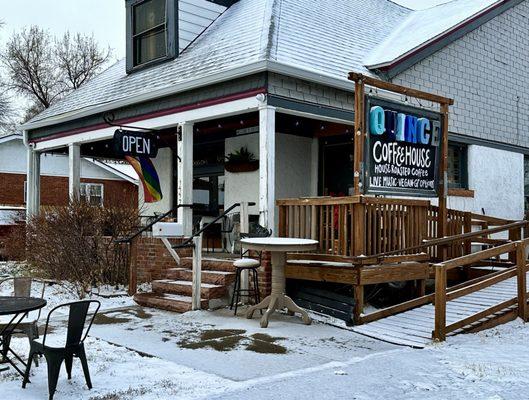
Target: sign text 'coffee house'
[[404, 149]]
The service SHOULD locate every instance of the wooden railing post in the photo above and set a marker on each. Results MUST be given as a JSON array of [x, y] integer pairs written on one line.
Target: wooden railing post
[[282, 232], [197, 273], [467, 229], [133, 266], [521, 261], [440, 303], [514, 235]]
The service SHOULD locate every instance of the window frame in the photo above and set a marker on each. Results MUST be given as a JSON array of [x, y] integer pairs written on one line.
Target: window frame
[[463, 168], [171, 31], [87, 186]]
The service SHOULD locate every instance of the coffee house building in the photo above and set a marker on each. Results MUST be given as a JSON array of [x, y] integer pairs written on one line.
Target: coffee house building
[[250, 100]]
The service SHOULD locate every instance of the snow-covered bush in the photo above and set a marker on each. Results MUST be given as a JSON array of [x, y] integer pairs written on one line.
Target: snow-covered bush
[[75, 244]]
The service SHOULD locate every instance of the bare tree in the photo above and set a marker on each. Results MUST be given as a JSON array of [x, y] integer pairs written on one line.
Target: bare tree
[[43, 69], [79, 59]]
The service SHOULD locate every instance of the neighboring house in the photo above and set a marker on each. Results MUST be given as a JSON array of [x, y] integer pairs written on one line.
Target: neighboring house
[[101, 182], [271, 75]]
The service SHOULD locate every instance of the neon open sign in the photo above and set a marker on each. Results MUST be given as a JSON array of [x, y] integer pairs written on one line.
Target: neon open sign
[[403, 149], [135, 144]]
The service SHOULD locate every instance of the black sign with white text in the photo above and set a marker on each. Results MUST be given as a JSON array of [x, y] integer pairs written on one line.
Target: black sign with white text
[[403, 149], [135, 144]]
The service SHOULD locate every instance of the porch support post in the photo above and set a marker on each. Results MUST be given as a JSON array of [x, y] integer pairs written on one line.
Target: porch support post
[[267, 144], [359, 137], [32, 184], [185, 177], [74, 171], [443, 181]]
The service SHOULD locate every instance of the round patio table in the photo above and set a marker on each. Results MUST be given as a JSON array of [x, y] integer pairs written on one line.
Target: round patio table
[[18, 307], [278, 300]]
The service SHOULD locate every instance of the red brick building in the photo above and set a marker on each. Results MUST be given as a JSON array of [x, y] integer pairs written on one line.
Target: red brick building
[[102, 182]]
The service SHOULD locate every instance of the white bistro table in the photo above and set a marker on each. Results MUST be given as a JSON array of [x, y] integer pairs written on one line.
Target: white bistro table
[[278, 300]]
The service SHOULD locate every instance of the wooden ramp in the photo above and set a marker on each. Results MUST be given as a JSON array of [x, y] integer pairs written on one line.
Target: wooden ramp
[[414, 327]]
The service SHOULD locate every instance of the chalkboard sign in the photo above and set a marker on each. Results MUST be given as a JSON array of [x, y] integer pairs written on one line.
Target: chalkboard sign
[[402, 149], [135, 144]]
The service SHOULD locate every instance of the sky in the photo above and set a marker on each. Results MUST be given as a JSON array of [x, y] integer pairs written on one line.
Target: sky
[[105, 19]]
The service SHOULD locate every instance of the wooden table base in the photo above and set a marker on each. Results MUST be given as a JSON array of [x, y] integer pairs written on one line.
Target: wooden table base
[[278, 300]]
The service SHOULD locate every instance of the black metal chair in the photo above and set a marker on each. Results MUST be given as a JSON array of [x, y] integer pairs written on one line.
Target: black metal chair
[[72, 346], [22, 287], [251, 265]]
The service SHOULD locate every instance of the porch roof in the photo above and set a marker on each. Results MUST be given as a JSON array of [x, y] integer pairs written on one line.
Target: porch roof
[[319, 41]]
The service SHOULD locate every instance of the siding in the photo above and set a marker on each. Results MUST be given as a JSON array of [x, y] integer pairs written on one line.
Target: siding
[[487, 73], [193, 17]]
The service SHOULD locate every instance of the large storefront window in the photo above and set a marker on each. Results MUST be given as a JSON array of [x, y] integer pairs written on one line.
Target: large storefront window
[[457, 166]]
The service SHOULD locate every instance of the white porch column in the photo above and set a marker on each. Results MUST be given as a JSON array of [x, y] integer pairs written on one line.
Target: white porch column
[[185, 177], [267, 144], [74, 171], [32, 183]]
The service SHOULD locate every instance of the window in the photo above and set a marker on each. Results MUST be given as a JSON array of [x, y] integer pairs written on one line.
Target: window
[[151, 32], [92, 193], [25, 192], [457, 166]]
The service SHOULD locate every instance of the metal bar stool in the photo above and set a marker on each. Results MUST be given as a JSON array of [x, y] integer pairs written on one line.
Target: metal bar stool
[[251, 265]]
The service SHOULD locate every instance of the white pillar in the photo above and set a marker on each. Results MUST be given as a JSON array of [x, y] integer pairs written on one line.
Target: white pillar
[[267, 143], [74, 171], [32, 183], [185, 177]]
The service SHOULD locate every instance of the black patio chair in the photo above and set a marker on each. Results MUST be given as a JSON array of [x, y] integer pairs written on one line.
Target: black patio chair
[[73, 345], [22, 287]]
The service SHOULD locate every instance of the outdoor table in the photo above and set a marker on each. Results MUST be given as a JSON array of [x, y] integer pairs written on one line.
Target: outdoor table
[[277, 300], [19, 307]]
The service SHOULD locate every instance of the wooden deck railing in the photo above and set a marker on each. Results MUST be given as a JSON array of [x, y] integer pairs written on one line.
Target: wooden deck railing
[[363, 225], [441, 296]]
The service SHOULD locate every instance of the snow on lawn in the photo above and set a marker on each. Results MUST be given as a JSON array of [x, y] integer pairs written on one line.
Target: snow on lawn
[[117, 373]]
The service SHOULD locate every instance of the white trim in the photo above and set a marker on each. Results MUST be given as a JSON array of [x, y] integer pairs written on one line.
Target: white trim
[[10, 137], [200, 114], [249, 69]]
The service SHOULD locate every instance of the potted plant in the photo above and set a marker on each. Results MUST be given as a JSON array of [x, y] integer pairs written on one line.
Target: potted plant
[[241, 160]]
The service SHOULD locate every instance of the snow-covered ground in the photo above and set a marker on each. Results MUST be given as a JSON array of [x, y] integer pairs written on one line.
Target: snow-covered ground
[[146, 354]]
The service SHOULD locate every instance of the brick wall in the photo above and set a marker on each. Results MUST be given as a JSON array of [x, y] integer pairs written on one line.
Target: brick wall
[[153, 259], [486, 72], [54, 190]]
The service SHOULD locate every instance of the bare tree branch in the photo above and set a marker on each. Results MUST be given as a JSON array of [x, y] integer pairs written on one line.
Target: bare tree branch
[[79, 59], [43, 69]]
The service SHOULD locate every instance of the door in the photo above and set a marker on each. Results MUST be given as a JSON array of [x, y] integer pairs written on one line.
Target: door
[[336, 166]]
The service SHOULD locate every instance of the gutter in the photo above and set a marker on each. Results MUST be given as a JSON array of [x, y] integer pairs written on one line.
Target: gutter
[[250, 69]]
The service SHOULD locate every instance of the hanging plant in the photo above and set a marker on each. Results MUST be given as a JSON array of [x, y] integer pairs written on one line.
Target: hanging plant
[[241, 160]]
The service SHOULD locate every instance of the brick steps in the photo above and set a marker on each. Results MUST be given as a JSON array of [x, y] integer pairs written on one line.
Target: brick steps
[[174, 292], [208, 276], [210, 264], [168, 302], [184, 288]]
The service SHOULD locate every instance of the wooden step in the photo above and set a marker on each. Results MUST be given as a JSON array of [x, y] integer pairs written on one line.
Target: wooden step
[[210, 264], [184, 288], [214, 277], [169, 302]]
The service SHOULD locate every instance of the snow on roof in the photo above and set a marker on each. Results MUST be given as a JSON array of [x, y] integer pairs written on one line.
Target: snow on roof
[[122, 170], [424, 26], [325, 38]]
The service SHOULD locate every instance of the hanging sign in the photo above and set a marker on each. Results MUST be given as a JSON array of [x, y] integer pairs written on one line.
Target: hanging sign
[[403, 149], [135, 144]]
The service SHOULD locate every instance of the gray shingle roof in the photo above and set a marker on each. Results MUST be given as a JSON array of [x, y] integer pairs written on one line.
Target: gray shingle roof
[[328, 38]]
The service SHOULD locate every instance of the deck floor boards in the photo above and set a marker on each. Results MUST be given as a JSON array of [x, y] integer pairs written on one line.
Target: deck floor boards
[[414, 327]]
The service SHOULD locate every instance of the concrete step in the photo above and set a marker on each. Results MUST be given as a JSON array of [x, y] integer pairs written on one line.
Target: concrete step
[[184, 288], [214, 277], [169, 302], [210, 264]]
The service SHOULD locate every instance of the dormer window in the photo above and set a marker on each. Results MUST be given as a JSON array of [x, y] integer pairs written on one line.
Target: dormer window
[[151, 32]]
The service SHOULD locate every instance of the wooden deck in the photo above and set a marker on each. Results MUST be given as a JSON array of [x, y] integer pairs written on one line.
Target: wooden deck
[[414, 327]]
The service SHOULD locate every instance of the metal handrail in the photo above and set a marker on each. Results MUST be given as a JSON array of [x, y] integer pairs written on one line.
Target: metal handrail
[[151, 224], [189, 242]]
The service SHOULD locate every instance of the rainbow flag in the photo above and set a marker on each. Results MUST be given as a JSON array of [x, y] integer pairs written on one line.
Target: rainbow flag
[[148, 177]]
